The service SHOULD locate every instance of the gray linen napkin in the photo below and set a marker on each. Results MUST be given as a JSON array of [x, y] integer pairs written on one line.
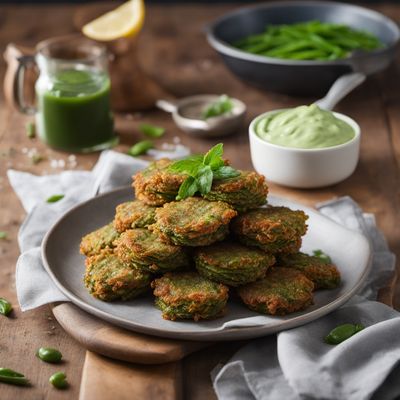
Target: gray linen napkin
[[297, 364]]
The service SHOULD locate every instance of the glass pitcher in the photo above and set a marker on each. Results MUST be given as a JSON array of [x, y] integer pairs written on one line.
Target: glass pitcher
[[72, 94]]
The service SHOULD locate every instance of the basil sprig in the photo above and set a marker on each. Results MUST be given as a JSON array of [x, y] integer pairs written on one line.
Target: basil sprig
[[222, 106], [202, 170]]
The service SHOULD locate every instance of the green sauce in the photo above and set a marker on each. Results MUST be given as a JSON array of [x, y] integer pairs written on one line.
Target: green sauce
[[74, 111], [304, 127]]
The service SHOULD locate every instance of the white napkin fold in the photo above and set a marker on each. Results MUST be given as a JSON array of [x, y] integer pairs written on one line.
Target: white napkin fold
[[297, 364]]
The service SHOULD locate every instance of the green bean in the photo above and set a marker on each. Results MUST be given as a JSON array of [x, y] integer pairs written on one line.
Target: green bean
[[311, 40], [5, 307], [49, 355], [152, 131], [30, 130], [289, 48], [140, 148], [7, 375], [309, 55], [55, 198], [59, 380], [342, 333]]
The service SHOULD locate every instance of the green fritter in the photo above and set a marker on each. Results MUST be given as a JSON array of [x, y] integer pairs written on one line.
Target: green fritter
[[101, 239], [246, 191], [272, 229], [193, 221], [133, 214], [146, 250], [325, 275], [282, 291], [156, 185], [232, 263], [188, 295], [109, 278]]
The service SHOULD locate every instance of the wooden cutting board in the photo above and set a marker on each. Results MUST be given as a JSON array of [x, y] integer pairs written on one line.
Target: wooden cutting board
[[136, 366], [103, 338]]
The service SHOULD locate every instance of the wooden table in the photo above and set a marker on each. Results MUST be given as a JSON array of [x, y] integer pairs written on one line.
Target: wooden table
[[173, 49]]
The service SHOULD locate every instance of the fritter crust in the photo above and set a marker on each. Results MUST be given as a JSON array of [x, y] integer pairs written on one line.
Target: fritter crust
[[108, 278], [282, 291], [246, 191], [187, 295], [133, 214], [146, 250], [102, 238], [324, 275], [232, 264], [272, 229], [156, 185], [193, 221]]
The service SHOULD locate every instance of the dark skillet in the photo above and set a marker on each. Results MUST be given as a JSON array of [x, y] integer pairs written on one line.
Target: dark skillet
[[300, 77]]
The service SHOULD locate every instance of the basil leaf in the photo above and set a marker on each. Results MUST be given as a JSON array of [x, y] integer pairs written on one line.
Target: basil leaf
[[322, 256], [140, 148], [214, 156], [187, 189], [152, 131], [55, 198], [190, 167], [225, 172], [3, 235], [222, 106], [204, 179]]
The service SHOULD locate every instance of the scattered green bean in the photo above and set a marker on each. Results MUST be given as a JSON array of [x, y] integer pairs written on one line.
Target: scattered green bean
[[49, 355], [152, 131], [322, 256], [30, 130], [59, 380], [55, 198], [7, 375], [313, 40], [5, 307], [222, 106], [140, 148], [3, 235], [342, 333], [36, 158]]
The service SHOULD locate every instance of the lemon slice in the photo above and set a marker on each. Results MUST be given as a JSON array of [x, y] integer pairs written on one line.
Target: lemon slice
[[124, 21]]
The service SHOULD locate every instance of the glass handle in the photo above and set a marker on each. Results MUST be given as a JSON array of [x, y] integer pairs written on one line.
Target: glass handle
[[24, 62]]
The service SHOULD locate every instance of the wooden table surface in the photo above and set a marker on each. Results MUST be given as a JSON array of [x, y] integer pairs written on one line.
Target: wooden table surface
[[173, 49]]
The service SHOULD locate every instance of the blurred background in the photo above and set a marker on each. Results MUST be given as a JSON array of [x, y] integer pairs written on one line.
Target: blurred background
[[163, 1]]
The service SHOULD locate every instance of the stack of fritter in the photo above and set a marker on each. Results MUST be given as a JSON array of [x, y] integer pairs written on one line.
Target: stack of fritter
[[191, 251]]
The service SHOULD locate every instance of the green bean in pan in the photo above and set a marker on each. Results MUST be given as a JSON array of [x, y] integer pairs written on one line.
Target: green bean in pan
[[313, 40]]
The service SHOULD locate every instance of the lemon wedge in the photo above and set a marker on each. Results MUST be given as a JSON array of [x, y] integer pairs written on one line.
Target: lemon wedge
[[124, 21]]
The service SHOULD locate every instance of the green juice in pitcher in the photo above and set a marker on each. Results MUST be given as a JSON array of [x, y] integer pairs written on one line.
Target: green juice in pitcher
[[74, 110]]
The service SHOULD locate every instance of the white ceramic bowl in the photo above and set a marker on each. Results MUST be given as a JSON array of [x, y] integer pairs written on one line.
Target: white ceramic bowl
[[304, 168]]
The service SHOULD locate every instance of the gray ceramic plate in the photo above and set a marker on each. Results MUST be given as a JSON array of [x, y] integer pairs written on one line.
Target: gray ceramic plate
[[60, 251]]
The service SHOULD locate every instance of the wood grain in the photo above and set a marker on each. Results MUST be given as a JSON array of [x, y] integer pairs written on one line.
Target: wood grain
[[173, 50], [103, 338], [107, 379]]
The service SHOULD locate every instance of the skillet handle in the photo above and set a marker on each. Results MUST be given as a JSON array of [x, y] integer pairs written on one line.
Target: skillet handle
[[340, 89]]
